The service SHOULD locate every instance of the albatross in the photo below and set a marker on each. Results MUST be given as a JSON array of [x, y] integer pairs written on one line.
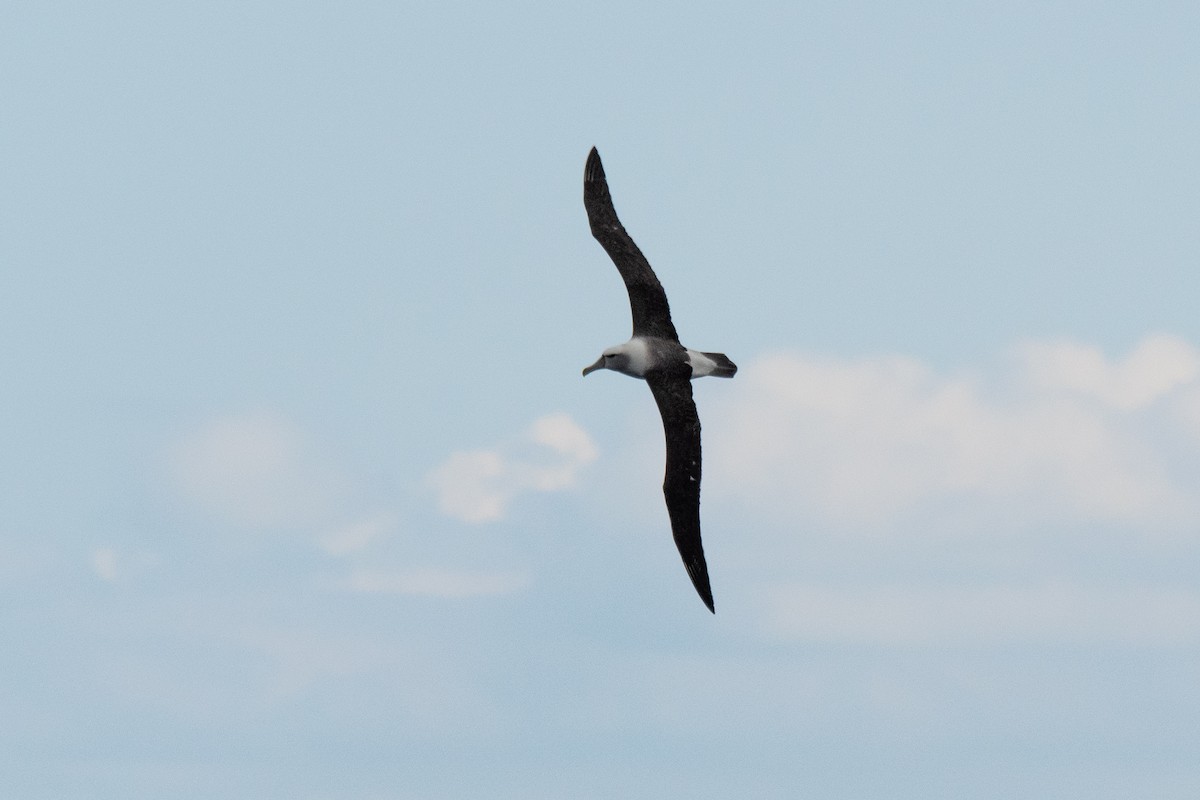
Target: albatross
[[655, 355]]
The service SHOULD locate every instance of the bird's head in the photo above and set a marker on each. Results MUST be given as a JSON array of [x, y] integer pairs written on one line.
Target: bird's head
[[613, 358]]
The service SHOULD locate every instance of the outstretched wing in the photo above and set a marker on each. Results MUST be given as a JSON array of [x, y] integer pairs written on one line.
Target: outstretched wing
[[673, 392], [647, 300]]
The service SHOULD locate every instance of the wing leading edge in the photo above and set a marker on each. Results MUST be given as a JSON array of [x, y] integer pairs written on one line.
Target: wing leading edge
[[647, 300]]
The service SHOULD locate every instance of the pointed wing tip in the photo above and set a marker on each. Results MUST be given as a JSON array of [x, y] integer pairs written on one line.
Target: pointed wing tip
[[594, 171], [706, 597], [703, 588]]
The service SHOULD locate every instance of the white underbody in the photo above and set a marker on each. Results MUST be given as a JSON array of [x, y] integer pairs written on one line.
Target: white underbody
[[641, 359]]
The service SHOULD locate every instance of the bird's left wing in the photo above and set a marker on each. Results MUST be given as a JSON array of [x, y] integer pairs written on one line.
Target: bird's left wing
[[647, 300], [672, 390]]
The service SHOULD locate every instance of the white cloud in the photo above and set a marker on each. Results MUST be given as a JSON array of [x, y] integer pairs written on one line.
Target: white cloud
[[424, 685], [112, 566], [253, 470], [1156, 367], [452, 584], [356, 536], [104, 563], [560, 433], [478, 485], [985, 615], [1059, 431], [474, 486]]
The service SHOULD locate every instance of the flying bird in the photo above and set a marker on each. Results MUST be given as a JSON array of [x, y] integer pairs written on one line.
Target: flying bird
[[655, 355]]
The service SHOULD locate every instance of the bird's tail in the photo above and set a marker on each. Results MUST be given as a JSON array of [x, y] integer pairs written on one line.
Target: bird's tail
[[724, 367]]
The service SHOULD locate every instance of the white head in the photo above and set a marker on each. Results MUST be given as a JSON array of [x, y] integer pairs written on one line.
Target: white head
[[630, 359], [612, 358]]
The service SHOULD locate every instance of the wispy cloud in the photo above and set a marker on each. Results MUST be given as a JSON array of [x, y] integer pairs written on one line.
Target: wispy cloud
[[478, 485], [111, 566], [1058, 430], [104, 563], [253, 470], [985, 615], [429, 582], [356, 536]]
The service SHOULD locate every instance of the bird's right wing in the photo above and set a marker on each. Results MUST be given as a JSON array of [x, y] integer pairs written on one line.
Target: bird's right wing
[[681, 423], [647, 300]]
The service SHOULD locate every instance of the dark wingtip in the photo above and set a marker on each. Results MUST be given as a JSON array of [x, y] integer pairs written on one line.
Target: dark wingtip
[[699, 575], [594, 171]]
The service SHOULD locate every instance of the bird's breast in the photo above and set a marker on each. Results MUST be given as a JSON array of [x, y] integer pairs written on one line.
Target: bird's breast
[[641, 356], [647, 353]]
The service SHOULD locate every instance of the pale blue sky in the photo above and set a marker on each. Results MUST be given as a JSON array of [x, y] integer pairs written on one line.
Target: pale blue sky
[[304, 496]]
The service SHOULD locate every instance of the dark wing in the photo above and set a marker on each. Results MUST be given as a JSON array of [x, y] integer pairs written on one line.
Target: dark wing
[[681, 424], [651, 315]]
